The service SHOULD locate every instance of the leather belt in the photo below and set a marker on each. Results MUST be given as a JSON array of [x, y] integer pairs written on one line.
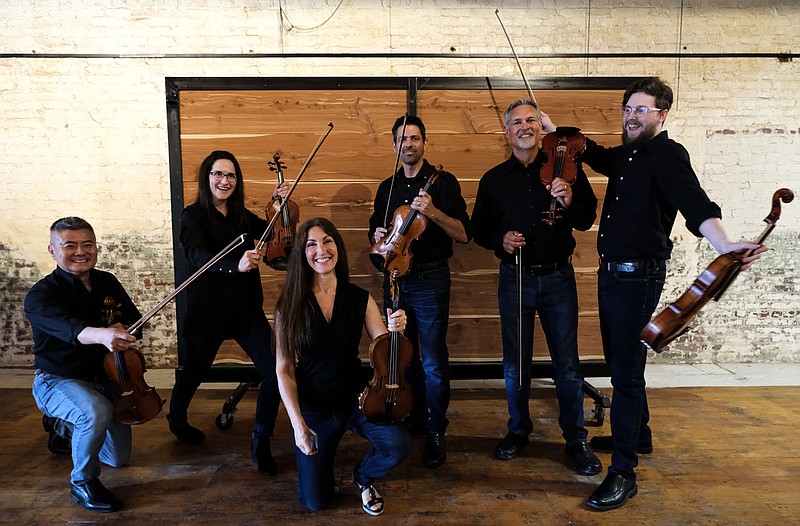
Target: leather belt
[[546, 268], [632, 265], [427, 267]]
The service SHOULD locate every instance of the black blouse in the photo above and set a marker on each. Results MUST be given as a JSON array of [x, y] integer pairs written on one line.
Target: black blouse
[[328, 372]]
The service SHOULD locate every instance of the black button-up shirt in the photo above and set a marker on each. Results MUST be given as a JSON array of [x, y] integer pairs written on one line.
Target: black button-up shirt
[[512, 197], [646, 189], [434, 244], [59, 307]]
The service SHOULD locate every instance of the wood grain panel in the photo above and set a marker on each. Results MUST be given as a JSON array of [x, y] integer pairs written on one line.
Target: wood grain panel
[[464, 129]]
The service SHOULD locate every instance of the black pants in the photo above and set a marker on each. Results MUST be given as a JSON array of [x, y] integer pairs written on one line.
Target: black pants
[[202, 345]]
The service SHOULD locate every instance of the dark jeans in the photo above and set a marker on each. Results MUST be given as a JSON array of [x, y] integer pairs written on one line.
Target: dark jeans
[[425, 296], [554, 297], [256, 340], [391, 445], [626, 303]]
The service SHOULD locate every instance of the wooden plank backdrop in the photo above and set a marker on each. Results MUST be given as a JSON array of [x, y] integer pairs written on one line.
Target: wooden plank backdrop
[[465, 135]]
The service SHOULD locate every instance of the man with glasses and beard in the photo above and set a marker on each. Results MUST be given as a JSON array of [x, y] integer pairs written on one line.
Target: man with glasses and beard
[[650, 179]]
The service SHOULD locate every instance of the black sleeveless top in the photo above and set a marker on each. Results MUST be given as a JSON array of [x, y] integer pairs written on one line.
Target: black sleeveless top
[[329, 371]]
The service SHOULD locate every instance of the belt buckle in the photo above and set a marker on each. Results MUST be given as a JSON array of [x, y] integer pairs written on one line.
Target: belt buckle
[[625, 267]]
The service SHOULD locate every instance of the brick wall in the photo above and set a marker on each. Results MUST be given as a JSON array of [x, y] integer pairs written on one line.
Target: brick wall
[[83, 121]]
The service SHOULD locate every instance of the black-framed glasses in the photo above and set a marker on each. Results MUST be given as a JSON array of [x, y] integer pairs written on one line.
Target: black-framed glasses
[[219, 175], [640, 111]]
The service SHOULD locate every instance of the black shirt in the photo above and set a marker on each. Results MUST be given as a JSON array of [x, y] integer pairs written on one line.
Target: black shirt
[[434, 244], [512, 197], [59, 307], [646, 189], [222, 298], [328, 372]]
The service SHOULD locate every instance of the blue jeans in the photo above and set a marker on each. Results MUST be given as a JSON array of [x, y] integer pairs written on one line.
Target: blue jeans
[[256, 340], [553, 296], [425, 296], [86, 410], [391, 445], [626, 303]]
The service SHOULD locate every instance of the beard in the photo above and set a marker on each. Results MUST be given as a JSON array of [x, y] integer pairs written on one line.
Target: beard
[[646, 134]]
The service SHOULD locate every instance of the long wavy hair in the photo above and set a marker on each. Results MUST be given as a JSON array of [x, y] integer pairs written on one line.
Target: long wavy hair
[[294, 303], [236, 207]]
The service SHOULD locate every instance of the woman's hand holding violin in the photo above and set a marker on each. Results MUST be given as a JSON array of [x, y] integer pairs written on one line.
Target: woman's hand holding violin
[[281, 190], [396, 320]]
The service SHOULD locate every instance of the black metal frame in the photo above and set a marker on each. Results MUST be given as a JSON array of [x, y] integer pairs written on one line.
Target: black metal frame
[[460, 370]]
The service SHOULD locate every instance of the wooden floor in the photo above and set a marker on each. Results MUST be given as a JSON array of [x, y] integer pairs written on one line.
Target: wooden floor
[[723, 456]]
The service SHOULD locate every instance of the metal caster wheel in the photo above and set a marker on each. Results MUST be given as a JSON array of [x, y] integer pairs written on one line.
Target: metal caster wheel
[[599, 414], [224, 421]]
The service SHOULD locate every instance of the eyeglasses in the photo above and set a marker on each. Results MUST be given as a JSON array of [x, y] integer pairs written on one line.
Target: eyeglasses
[[640, 111], [219, 175]]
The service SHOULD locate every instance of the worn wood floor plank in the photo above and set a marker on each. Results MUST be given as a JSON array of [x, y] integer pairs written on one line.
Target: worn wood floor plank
[[722, 456]]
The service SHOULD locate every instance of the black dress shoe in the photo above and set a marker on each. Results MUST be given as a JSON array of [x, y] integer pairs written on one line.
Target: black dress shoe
[[435, 452], [586, 462], [58, 445], [93, 496], [185, 432], [612, 493], [510, 446], [262, 456], [606, 443]]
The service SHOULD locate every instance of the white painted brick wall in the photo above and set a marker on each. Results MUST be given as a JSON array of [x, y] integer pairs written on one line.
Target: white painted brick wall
[[87, 136]]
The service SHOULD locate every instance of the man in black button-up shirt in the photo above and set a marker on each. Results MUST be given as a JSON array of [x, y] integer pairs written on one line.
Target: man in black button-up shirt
[[425, 289], [509, 217], [650, 179], [78, 314]]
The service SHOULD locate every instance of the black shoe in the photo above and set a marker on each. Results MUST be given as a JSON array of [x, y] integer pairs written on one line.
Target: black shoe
[[262, 456], [57, 444], [93, 496], [612, 493], [586, 462], [510, 446], [435, 451], [606, 443], [185, 432]]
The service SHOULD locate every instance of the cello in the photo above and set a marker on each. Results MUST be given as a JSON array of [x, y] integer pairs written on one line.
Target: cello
[[135, 402], [712, 283], [388, 397], [280, 246]]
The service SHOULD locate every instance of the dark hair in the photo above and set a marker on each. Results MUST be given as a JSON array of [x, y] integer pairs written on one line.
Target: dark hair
[[294, 305], [411, 119], [651, 86], [70, 223], [517, 103], [236, 208]]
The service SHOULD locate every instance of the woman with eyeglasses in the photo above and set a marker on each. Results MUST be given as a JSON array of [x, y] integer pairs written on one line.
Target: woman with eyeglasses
[[319, 319], [225, 302]]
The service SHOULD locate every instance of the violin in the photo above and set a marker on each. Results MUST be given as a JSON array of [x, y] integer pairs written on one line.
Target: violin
[[135, 402], [712, 283], [392, 253], [388, 397], [562, 149], [278, 249], [262, 241]]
